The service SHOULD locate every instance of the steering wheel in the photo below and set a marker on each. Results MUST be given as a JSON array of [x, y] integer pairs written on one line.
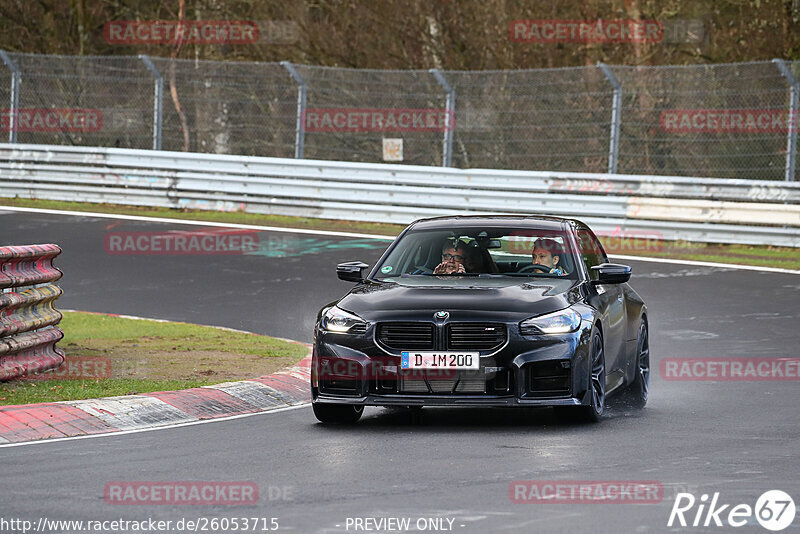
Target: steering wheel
[[424, 269], [534, 266]]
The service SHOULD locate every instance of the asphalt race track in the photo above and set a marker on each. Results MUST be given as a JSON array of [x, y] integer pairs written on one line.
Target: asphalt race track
[[736, 438]]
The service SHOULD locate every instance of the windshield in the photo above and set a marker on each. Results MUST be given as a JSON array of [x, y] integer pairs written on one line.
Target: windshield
[[480, 252]]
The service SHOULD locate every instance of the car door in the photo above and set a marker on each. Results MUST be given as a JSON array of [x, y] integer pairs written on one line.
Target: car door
[[608, 299]]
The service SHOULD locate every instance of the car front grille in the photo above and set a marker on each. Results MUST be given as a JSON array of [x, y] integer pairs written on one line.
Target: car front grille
[[476, 336], [406, 336], [454, 336], [416, 383]]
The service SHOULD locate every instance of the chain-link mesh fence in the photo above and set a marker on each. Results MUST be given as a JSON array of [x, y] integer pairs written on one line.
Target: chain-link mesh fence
[[552, 119], [671, 120], [118, 89], [228, 107], [648, 143], [333, 91]]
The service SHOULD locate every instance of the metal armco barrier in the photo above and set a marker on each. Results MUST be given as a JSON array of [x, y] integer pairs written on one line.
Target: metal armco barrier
[[28, 331], [672, 208]]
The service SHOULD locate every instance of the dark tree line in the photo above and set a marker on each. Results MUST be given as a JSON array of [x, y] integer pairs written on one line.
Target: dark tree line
[[450, 34]]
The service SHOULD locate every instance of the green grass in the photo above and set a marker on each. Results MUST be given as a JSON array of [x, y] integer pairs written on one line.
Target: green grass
[[145, 356], [157, 335], [782, 257]]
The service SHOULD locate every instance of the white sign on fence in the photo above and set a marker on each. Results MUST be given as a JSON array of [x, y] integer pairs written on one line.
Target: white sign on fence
[[392, 149]]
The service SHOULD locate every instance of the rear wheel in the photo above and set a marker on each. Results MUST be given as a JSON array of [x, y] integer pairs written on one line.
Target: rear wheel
[[341, 414], [637, 392]]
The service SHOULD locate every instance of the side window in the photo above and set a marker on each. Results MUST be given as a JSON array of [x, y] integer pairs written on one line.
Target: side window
[[592, 251], [417, 257]]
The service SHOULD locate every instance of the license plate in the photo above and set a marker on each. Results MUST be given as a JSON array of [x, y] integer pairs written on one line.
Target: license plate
[[440, 360]]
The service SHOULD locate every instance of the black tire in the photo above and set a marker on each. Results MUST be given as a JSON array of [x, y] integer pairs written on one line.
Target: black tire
[[339, 414], [636, 394], [597, 379], [597, 384]]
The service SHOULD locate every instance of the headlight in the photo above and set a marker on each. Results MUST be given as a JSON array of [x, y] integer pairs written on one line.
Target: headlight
[[560, 322], [338, 321]]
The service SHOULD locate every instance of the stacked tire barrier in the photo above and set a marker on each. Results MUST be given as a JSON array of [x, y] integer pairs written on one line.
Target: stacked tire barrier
[[28, 320]]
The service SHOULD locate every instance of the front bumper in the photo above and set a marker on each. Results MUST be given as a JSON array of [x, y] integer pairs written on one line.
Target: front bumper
[[441, 400], [545, 370]]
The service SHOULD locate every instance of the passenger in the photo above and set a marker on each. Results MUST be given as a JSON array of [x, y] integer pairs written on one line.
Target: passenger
[[548, 252], [473, 260], [479, 261]]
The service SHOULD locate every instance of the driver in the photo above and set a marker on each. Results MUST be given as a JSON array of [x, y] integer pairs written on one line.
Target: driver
[[548, 252]]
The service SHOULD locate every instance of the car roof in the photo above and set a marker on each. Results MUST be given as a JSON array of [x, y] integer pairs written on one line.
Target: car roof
[[538, 222]]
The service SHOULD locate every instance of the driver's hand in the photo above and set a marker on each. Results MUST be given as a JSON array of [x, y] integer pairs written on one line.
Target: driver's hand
[[449, 268]]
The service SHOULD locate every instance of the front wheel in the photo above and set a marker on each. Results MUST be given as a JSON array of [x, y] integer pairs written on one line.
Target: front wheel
[[597, 379], [341, 414], [636, 394], [597, 386]]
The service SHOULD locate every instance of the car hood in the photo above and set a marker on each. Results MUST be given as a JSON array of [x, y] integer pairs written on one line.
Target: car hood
[[499, 299]]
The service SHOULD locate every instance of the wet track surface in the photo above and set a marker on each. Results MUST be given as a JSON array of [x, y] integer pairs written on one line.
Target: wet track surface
[[736, 438]]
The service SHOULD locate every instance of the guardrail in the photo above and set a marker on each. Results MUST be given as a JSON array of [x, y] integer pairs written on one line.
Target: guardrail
[[671, 208], [28, 331]]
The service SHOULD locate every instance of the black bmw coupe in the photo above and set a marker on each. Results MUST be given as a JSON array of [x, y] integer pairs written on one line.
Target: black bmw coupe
[[483, 311]]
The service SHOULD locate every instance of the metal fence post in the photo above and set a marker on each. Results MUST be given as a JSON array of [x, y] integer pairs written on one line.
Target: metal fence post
[[792, 120], [450, 110], [157, 98], [616, 109], [12, 112], [300, 131]]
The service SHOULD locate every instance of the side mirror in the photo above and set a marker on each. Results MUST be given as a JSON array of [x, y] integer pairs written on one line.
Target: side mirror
[[351, 271], [612, 273]]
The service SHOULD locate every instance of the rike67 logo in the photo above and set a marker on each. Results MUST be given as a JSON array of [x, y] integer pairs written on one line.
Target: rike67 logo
[[774, 510]]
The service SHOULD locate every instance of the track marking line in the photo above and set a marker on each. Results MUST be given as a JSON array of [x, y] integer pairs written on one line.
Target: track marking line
[[709, 264], [191, 222]]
